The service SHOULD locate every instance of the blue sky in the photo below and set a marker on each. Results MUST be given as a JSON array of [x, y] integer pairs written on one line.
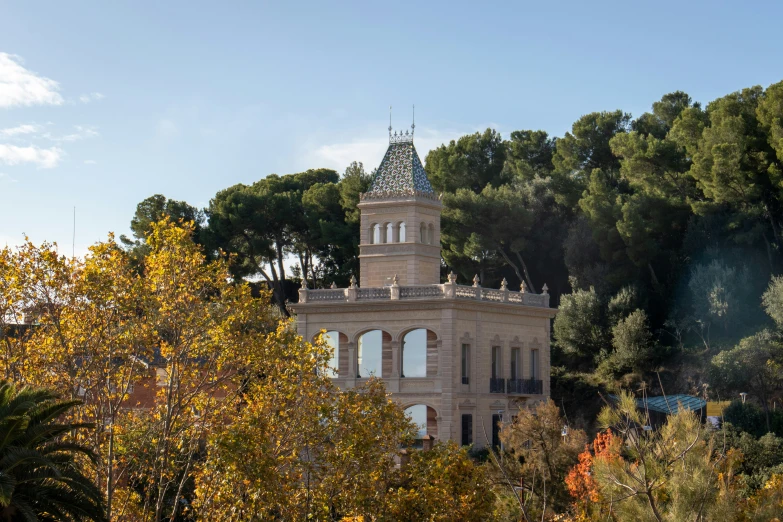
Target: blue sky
[[105, 103]]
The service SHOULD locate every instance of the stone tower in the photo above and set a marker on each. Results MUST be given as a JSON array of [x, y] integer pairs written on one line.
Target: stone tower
[[400, 221]]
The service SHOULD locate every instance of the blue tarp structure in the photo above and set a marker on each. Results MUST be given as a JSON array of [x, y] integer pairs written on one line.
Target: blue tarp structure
[[669, 404]]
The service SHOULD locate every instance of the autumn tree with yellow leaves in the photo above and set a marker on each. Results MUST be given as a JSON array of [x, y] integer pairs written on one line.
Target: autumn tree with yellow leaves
[[239, 419], [95, 329]]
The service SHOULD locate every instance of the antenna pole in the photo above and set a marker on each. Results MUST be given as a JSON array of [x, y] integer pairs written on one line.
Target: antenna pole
[[73, 243]]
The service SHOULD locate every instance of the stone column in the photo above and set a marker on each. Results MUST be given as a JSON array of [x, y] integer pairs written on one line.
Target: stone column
[[353, 370], [448, 403], [396, 359]]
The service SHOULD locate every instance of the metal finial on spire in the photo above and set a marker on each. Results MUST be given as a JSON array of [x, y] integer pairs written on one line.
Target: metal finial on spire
[[413, 123], [390, 127]]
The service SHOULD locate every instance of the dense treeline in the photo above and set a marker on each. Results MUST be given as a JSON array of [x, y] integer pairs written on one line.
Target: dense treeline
[[661, 231], [310, 217]]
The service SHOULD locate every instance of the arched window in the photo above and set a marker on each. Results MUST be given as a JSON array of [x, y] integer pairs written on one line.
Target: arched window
[[332, 339], [423, 233], [414, 353], [389, 233], [431, 234], [418, 415], [370, 353], [375, 237], [401, 237]]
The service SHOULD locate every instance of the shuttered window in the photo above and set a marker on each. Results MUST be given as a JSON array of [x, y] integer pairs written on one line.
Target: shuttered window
[[467, 429], [496, 420]]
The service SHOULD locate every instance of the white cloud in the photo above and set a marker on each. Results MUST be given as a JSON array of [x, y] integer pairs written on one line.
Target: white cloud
[[44, 158], [370, 152], [27, 128], [94, 96], [6, 178], [22, 87], [90, 162], [340, 155], [167, 129], [82, 132]]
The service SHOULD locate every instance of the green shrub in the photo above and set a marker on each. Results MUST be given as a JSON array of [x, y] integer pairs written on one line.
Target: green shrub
[[746, 417], [579, 324], [633, 344], [623, 304]]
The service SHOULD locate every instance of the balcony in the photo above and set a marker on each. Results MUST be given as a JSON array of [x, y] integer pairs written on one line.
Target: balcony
[[449, 290], [497, 385], [525, 387]]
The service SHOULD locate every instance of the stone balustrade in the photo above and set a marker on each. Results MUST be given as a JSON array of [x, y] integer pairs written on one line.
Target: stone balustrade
[[448, 290]]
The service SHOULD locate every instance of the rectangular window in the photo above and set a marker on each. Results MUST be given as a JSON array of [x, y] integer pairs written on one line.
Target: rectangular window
[[162, 377], [496, 420], [496, 362], [465, 364], [534, 364], [467, 429], [515, 366]]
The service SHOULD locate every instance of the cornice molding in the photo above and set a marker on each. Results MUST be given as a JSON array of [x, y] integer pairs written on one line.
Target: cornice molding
[[396, 201], [424, 304], [407, 248]]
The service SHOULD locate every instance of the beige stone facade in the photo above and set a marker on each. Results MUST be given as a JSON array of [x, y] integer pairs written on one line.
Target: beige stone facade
[[486, 352], [416, 260]]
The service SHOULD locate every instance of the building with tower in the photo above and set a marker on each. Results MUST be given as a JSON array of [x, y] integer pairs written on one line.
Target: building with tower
[[461, 359]]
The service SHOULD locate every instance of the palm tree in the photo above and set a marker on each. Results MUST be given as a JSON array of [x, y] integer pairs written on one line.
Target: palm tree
[[40, 479]]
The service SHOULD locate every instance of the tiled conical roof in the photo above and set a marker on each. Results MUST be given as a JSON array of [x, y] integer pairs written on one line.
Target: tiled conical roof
[[400, 173]]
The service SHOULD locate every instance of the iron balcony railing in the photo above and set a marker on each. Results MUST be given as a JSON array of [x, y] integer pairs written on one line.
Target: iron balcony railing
[[497, 385], [525, 386]]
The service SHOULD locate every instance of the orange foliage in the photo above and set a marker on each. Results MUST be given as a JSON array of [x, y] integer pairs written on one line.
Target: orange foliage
[[603, 445], [579, 481]]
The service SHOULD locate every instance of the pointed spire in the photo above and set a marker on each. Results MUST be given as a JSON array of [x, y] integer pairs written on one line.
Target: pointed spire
[[353, 281], [504, 284], [545, 289], [413, 122], [333, 285], [522, 288], [401, 171]]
